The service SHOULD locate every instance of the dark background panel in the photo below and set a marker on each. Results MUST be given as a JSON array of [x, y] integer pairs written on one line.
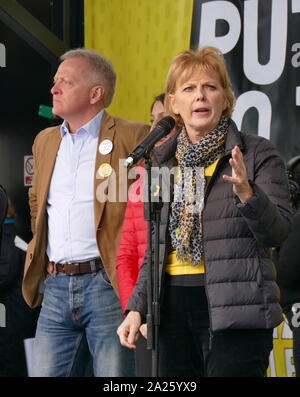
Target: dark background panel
[[25, 84]]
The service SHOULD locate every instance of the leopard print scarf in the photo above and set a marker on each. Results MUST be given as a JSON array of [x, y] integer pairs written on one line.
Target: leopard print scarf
[[185, 224]]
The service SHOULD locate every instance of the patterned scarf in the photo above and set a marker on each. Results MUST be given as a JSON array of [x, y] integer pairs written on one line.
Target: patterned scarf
[[185, 224]]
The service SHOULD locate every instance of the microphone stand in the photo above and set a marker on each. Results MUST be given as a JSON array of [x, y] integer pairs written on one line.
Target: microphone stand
[[151, 215]]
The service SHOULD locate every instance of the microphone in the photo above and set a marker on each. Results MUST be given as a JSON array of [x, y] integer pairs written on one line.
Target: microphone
[[162, 128]]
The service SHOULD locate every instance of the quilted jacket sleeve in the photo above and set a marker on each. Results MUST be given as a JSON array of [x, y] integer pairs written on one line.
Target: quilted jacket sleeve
[[268, 213]]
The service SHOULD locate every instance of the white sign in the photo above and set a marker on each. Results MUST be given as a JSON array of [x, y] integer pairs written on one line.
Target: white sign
[[28, 170]]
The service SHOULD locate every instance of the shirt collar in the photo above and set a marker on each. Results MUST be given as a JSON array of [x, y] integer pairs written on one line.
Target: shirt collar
[[91, 127]]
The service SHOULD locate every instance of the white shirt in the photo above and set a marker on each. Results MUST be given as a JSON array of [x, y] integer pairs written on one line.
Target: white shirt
[[70, 202]]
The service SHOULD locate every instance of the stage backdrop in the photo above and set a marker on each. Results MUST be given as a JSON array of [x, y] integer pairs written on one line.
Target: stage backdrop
[[261, 43], [260, 40]]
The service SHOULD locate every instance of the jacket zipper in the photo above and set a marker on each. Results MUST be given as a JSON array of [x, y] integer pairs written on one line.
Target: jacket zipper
[[208, 302], [207, 190]]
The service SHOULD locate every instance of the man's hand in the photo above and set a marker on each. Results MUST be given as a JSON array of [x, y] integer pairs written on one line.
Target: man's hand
[[128, 331], [239, 178]]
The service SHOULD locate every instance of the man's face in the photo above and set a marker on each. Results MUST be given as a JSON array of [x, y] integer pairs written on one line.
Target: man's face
[[71, 90]]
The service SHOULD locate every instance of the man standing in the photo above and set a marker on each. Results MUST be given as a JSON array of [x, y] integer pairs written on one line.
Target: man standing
[[75, 232]]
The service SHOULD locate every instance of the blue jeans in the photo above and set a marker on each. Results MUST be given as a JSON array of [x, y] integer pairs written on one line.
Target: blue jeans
[[79, 318]]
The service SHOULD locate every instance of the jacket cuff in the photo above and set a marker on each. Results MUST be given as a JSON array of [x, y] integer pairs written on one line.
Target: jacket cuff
[[254, 206], [128, 309]]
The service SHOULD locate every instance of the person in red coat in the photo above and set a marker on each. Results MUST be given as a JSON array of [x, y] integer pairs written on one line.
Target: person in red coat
[[133, 244]]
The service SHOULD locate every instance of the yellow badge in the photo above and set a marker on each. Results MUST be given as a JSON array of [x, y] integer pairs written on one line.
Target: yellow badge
[[105, 170], [156, 191]]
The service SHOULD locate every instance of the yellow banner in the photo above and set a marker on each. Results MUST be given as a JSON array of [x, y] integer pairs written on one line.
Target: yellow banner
[[139, 37]]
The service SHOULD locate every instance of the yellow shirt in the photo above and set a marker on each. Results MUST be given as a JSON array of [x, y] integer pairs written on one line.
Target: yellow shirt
[[175, 268]]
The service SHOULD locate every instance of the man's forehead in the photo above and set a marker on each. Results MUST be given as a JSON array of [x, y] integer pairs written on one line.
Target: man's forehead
[[71, 66]]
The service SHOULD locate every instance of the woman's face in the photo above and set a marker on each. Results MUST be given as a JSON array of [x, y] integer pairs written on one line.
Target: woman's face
[[200, 101], [157, 113]]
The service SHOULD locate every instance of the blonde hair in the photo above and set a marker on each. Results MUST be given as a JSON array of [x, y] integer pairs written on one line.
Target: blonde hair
[[209, 60], [101, 70]]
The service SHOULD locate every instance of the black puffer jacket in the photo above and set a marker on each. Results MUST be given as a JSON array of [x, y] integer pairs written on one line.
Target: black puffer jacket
[[239, 274]]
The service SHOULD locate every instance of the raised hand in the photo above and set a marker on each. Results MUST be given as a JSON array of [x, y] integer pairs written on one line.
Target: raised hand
[[239, 177]]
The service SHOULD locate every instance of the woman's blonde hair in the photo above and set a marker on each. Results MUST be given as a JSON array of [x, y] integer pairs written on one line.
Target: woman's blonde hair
[[209, 60]]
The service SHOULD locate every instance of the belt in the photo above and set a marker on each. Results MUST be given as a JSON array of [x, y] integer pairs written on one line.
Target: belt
[[74, 268]]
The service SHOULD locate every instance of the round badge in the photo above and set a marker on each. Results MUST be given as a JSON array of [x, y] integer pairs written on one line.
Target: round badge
[[105, 146], [156, 191], [105, 170]]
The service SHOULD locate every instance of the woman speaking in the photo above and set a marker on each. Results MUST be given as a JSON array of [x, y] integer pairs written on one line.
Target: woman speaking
[[219, 299]]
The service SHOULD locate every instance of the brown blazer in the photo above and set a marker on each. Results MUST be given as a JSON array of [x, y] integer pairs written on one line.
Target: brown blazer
[[125, 135]]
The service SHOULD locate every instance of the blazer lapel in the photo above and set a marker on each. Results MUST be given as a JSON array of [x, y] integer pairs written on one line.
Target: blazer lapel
[[48, 163], [107, 131]]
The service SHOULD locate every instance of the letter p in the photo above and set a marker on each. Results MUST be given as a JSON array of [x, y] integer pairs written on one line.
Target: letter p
[[213, 11]]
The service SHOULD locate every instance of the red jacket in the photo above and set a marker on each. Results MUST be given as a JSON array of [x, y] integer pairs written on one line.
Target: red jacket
[[133, 242]]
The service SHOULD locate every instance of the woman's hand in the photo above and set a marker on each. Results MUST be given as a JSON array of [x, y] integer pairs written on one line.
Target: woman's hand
[[143, 330], [128, 331], [239, 177]]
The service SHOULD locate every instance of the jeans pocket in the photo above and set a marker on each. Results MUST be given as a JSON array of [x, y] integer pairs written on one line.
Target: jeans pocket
[[47, 278], [103, 277]]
